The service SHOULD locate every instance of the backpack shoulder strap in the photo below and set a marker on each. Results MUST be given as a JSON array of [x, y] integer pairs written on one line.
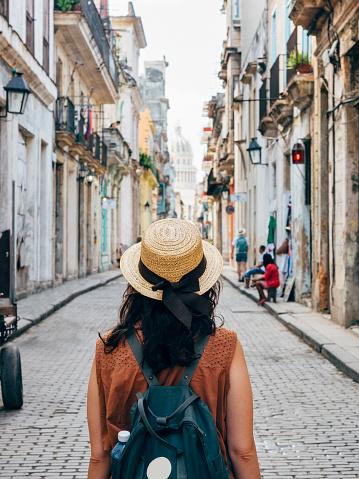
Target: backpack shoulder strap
[[145, 368], [190, 369]]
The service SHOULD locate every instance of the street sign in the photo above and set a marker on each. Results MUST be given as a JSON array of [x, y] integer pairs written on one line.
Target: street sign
[[109, 204], [242, 197], [230, 209]]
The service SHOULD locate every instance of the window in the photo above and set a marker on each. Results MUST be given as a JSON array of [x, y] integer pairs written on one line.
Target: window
[[306, 43], [274, 37], [4, 8], [46, 30], [236, 9], [30, 37]]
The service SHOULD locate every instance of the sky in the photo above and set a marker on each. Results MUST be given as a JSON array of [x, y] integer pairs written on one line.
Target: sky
[[190, 34]]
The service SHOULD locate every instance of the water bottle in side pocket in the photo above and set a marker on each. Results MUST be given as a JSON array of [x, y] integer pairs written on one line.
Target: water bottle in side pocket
[[123, 437]]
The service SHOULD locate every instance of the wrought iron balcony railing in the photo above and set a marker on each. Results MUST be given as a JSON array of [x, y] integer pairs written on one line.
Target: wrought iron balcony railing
[[95, 146], [94, 20], [65, 115], [103, 154]]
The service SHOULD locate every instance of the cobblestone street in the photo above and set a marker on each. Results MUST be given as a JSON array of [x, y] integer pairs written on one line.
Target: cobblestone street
[[306, 411]]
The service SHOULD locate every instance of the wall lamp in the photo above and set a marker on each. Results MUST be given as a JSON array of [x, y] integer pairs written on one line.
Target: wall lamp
[[225, 192], [17, 93], [83, 171], [90, 177], [255, 153], [147, 206]]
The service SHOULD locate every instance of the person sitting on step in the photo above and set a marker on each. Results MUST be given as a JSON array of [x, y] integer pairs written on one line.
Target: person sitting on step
[[257, 269], [270, 279]]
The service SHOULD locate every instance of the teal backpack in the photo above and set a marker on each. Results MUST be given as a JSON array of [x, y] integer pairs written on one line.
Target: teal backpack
[[173, 433], [241, 245]]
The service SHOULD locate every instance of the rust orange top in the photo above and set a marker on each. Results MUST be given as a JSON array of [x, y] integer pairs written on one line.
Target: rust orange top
[[119, 378]]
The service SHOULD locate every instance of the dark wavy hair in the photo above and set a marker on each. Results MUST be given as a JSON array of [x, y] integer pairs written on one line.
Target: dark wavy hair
[[166, 341]]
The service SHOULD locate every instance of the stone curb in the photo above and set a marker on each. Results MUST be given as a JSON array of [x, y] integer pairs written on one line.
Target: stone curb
[[31, 320], [343, 360]]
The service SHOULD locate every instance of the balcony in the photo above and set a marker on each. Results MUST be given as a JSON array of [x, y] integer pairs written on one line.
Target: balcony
[[103, 154], [300, 90], [82, 35], [117, 151], [65, 122], [267, 127], [94, 146], [310, 14], [282, 112], [80, 146]]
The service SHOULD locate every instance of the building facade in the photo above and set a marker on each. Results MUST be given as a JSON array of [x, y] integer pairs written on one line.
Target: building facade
[[185, 182], [149, 177], [87, 79], [153, 90], [26, 147], [334, 92], [129, 39], [296, 96]]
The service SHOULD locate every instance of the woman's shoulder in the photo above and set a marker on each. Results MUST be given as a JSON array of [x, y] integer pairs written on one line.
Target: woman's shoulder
[[109, 358], [220, 349], [225, 334]]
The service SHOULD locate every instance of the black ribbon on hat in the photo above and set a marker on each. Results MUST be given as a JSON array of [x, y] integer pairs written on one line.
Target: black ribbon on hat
[[177, 296]]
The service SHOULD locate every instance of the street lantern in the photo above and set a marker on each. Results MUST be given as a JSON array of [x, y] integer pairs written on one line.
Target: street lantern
[[298, 154], [147, 206], [83, 172], [17, 93], [90, 177], [225, 192], [255, 152]]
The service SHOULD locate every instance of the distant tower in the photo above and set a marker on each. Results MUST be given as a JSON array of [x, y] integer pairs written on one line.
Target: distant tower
[[185, 183]]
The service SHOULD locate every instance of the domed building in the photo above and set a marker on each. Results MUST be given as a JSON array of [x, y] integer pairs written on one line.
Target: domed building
[[185, 183]]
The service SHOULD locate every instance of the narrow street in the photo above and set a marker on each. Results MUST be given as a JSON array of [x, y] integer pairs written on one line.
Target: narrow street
[[306, 411]]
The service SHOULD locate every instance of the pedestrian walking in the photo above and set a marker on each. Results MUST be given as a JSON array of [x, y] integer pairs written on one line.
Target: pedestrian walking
[[257, 269], [270, 279], [169, 309], [240, 244]]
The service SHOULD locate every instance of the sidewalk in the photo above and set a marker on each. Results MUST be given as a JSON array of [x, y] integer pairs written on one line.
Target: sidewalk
[[37, 307], [339, 345]]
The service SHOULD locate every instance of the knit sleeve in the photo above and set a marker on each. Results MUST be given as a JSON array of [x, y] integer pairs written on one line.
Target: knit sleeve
[[231, 347]]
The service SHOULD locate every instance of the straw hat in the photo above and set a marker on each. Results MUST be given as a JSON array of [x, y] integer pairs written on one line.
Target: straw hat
[[171, 248], [241, 232]]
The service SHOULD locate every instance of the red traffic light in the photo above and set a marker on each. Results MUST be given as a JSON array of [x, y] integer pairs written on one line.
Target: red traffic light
[[298, 154]]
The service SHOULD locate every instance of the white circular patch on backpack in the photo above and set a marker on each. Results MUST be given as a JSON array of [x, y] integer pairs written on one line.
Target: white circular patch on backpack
[[159, 468]]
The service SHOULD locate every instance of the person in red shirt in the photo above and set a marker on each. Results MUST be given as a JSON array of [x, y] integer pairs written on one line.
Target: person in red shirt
[[270, 279]]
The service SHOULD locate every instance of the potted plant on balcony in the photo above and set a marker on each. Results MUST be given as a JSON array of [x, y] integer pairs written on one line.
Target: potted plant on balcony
[[77, 6], [299, 62], [64, 5]]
